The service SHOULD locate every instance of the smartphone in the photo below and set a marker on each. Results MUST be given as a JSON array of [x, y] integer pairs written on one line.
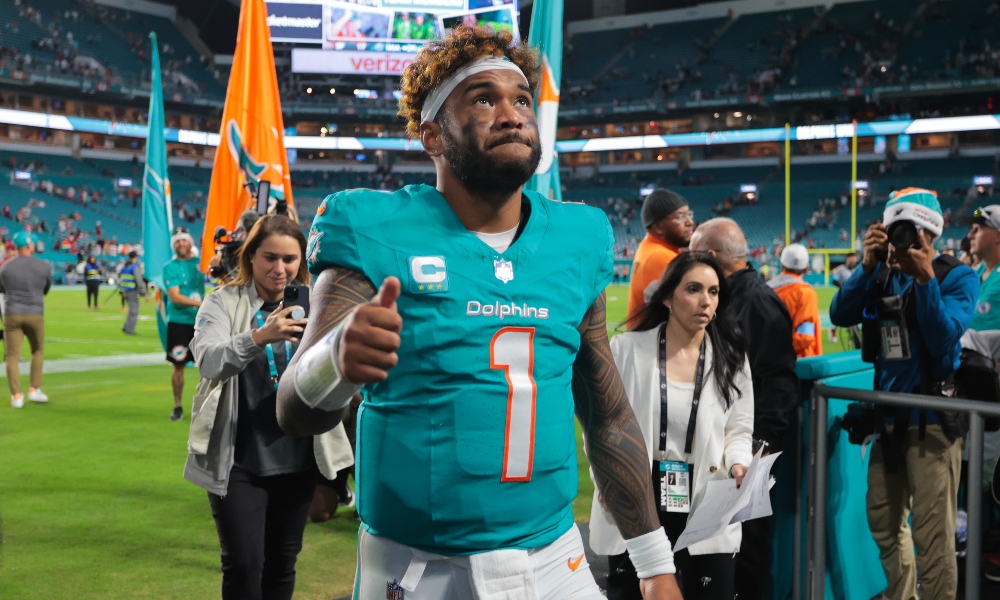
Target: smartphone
[[263, 196], [297, 295]]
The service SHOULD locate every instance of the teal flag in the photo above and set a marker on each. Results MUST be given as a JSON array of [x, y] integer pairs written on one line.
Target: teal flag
[[546, 33], [157, 220]]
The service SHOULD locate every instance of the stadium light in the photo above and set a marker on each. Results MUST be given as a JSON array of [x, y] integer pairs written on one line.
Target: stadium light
[[737, 114], [309, 90], [902, 129], [333, 90]]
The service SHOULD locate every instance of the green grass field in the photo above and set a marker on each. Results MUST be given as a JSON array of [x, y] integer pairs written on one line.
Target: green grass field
[[92, 500]]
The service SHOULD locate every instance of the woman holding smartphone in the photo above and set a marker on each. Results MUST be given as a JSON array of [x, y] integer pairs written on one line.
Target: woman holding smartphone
[[687, 377], [260, 481]]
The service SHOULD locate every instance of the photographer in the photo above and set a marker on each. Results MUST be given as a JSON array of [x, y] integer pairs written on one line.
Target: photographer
[[914, 306], [260, 481]]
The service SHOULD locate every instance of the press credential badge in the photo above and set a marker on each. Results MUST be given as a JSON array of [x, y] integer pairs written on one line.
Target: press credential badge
[[675, 487]]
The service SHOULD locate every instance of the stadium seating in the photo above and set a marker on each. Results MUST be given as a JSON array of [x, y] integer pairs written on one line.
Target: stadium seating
[[617, 193], [109, 36], [846, 45], [751, 46]]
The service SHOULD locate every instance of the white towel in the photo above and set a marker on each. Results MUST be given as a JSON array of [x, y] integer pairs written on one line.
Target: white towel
[[503, 575]]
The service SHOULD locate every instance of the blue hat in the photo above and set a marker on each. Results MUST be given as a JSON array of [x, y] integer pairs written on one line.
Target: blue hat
[[915, 204], [22, 239]]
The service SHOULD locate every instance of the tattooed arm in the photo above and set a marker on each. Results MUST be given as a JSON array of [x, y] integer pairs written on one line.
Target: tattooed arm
[[336, 293], [614, 441], [615, 446]]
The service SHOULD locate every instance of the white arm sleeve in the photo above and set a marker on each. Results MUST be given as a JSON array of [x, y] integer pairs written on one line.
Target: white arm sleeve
[[651, 554], [318, 380]]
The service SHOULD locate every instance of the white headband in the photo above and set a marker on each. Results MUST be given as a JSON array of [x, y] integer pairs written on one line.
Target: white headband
[[439, 94], [181, 236]]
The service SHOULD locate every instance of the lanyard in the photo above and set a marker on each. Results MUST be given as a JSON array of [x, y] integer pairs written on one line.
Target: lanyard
[[271, 365], [695, 398]]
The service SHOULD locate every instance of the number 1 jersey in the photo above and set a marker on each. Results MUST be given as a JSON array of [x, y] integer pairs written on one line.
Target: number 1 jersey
[[469, 445]]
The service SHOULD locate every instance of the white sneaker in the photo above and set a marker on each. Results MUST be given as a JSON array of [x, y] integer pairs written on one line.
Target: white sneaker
[[37, 396], [17, 401]]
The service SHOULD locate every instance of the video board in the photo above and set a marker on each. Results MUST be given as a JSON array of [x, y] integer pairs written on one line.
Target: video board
[[394, 26]]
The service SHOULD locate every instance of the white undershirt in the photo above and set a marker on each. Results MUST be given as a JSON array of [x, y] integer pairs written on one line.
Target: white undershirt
[[680, 396], [498, 241]]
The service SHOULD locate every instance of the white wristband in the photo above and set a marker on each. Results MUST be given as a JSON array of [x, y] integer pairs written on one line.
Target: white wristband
[[318, 380], [651, 554]]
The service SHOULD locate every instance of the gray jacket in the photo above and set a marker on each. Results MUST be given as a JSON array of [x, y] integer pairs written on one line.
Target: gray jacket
[[222, 348]]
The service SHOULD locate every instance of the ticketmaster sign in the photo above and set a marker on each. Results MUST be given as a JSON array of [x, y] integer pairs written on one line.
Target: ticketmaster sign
[[295, 22]]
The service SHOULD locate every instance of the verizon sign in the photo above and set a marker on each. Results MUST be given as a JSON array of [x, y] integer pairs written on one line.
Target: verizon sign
[[309, 60]]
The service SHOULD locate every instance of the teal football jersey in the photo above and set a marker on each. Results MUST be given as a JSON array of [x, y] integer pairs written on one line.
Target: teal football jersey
[[469, 445]]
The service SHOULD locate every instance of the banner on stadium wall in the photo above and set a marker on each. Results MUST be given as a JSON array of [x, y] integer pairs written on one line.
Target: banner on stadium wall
[[252, 140], [308, 60], [157, 209], [296, 23]]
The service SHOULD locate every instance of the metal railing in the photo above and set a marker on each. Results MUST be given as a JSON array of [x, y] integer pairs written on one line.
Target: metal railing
[[818, 428]]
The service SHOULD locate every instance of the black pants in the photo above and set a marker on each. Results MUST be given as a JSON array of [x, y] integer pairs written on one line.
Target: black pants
[[703, 577], [753, 563], [92, 289], [260, 524]]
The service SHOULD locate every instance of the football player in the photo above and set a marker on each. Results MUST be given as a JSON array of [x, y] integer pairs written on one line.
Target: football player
[[474, 351]]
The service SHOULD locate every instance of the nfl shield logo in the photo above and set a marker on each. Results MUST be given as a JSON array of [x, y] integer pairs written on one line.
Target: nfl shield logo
[[503, 270], [393, 591]]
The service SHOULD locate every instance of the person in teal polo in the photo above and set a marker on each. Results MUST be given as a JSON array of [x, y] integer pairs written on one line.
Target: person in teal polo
[[985, 244], [185, 285], [984, 331]]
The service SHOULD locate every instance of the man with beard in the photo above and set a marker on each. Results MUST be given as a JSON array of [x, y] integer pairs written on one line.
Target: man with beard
[[486, 332], [669, 223], [185, 284]]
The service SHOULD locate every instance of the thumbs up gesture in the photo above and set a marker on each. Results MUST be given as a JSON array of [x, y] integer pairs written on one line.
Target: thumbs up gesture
[[371, 337]]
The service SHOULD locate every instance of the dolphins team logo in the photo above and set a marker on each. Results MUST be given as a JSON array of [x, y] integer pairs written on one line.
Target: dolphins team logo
[[253, 170]]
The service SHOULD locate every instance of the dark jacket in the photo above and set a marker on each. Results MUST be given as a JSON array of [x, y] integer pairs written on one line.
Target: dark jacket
[[768, 328]]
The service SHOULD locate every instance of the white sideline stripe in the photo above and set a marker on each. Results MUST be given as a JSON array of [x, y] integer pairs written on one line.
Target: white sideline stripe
[[98, 363]]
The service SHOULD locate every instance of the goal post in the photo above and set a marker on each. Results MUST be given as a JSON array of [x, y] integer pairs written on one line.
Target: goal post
[[826, 252]]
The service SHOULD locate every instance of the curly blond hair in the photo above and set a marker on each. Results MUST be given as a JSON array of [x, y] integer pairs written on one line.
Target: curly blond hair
[[441, 58]]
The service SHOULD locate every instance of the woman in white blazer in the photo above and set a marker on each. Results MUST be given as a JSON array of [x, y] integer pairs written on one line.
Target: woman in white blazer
[[687, 322]]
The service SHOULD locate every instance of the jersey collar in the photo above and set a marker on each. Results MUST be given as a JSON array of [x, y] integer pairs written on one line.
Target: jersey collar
[[526, 243]]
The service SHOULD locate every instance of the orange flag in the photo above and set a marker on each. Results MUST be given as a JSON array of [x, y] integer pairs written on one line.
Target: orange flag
[[252, 141]]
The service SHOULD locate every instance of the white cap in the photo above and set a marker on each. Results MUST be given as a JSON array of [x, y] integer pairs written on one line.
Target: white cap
[[795, 257]]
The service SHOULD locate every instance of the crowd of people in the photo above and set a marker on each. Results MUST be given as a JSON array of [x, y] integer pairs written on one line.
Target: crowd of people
[[871, 53]]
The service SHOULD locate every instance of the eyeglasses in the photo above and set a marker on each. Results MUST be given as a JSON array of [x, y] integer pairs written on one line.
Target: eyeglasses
[[683, 216]]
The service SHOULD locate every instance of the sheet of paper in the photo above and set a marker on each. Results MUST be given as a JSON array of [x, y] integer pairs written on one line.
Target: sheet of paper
[[723, 501], [760, 498]]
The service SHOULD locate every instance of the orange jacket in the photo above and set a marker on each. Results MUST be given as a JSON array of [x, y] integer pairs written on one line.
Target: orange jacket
[[650, 260], [803, 306]]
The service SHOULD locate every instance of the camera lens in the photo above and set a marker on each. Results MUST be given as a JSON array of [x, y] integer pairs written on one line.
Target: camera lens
[[903, 234], [291, 294]]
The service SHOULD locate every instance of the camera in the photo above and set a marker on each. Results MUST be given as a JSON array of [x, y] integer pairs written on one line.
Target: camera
[[227, 245], [904, 235], [860, 421]]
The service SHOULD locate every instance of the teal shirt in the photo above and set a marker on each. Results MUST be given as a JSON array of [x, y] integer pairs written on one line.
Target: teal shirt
[[987, 314], [186, 275], [470, 445]]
